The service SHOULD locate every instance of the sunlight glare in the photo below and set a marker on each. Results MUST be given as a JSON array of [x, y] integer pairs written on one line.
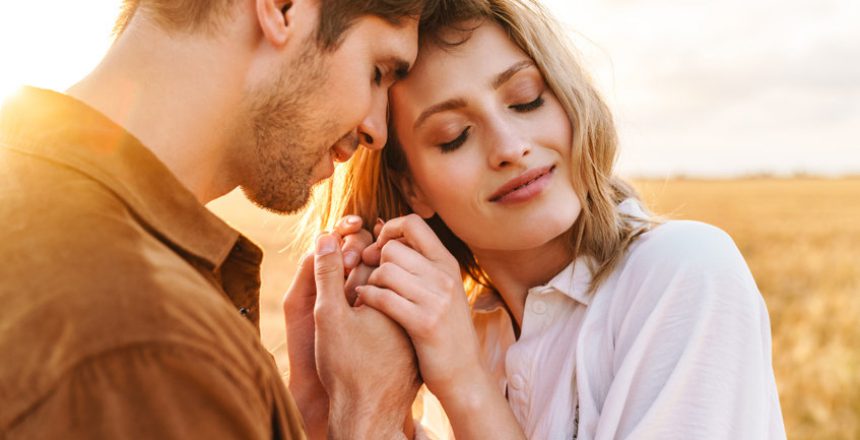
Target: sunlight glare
[[52, 43]]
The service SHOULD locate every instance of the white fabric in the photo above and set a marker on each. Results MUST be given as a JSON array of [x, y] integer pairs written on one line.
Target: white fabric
[[675, 344]]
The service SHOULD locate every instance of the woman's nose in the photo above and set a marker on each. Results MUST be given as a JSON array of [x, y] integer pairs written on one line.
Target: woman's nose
[[508, 148]]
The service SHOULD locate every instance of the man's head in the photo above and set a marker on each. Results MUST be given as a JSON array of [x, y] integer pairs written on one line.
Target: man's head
[[315, 77], [205, 15]]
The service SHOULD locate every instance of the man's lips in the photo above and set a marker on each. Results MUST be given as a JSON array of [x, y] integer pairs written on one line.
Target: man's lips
[[340, 151], [521, 182], [345, 147]]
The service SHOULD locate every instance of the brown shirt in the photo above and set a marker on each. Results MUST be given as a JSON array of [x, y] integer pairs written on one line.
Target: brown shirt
[[127, 310]]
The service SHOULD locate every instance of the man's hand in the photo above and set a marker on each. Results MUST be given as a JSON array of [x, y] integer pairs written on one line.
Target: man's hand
[[304, 382], [366, 362]]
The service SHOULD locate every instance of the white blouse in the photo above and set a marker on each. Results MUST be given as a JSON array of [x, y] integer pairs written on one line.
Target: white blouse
[[675, 344]]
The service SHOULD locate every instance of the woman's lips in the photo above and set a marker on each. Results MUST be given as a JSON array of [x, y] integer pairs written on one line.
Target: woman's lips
[[524, 187]]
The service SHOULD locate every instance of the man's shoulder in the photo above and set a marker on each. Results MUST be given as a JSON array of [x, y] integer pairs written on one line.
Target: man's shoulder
[[82, 276]]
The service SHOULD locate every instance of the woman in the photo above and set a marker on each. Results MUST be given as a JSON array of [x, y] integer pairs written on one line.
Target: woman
[[586, 318]]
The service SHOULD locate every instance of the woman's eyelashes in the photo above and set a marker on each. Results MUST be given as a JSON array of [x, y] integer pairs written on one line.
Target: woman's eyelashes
[[464, 135], [456, 143], [529, 106]]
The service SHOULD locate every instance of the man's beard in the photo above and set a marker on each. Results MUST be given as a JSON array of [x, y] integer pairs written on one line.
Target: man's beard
[[288, 142]]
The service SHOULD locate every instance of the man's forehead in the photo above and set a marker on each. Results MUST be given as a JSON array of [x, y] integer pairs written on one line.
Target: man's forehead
[[395, 43]]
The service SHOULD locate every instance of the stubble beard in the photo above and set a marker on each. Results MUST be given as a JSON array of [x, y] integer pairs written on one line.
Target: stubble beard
[[289, 141]]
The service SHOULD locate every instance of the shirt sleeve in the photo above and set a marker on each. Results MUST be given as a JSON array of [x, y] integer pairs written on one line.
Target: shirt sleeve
[[692, 344], [149, 392]]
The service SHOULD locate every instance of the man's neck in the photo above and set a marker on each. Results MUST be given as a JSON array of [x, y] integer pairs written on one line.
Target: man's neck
[[179, 95]]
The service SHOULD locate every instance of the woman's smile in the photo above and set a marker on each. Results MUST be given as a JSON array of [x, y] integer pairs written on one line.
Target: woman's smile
[[525, 187]]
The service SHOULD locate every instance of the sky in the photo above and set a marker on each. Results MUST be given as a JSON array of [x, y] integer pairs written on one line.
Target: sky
[[698, 88]]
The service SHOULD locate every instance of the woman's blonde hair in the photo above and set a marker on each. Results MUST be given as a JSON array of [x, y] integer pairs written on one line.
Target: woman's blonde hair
[[369, 184]]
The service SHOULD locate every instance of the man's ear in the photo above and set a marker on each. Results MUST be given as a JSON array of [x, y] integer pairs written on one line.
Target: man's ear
[[276, 19], [415, 198]]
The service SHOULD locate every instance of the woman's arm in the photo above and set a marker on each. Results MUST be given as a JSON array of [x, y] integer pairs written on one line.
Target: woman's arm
[[418, 284]]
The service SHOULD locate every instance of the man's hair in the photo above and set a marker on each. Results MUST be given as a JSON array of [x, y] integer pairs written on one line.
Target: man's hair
[[336, 16]]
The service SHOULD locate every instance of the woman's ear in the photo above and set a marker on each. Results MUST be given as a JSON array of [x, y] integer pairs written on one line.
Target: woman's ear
[[416, 199], [276, 18]]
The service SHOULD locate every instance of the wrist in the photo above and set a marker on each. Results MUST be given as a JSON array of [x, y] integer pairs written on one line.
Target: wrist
[[469, 395], [314, 407], [360, 418]]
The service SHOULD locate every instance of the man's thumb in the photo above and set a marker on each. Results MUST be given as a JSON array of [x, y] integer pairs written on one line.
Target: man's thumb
[[328, 271]]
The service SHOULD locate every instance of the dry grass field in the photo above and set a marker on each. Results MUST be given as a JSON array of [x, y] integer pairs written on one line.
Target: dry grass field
[[801, 239]]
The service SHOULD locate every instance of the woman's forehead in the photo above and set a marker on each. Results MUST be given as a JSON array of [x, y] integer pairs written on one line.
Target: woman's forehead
[[445, 70]]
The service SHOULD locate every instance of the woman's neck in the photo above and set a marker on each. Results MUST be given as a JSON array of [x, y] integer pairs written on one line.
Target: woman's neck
[[513, 273]]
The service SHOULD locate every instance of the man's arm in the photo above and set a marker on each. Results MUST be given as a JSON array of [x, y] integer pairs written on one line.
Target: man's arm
[[155, 390]]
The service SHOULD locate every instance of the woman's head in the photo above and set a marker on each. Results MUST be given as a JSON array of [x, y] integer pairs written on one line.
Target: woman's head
[[499, 139]]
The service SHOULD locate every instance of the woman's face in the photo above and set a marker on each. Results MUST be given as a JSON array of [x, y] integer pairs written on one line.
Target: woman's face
[[487, 143]]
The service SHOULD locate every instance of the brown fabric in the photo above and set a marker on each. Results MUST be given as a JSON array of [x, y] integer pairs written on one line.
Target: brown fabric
[[127, 310]]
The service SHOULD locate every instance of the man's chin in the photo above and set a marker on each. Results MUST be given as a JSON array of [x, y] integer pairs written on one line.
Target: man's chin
[[281, 203]]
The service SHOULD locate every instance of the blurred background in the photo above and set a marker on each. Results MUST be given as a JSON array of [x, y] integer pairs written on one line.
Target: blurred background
[[743, 114]]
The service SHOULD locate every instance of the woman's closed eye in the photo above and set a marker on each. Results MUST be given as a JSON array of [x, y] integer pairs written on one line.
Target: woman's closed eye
[[529, 106], [455, 143]]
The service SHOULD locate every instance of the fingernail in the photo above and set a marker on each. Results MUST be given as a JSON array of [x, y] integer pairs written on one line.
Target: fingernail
[[350, 259], [379, 222], [326, 244], [353, 219]]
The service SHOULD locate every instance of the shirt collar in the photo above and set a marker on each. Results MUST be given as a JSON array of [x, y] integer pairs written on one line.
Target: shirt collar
[[63, 130], [573, 281]]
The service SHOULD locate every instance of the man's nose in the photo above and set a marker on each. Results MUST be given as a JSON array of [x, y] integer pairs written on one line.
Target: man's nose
[[373, 131]]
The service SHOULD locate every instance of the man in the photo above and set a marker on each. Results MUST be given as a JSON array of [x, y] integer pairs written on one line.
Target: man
[[129, 310]]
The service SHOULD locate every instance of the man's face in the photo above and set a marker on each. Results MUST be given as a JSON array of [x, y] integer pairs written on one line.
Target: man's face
[[321, 107]]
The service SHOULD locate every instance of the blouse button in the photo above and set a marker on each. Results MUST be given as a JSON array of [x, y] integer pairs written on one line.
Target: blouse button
[[517, 382], [539, 307]]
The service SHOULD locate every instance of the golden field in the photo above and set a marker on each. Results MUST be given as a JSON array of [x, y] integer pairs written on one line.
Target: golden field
[[801, 239]]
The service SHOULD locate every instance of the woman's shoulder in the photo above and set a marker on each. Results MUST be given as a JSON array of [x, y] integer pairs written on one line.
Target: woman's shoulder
[[683, 262], [684, 243], [676, 276]]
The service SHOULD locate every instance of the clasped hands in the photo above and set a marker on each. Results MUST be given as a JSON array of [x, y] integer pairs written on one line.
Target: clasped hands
[[362, 316]]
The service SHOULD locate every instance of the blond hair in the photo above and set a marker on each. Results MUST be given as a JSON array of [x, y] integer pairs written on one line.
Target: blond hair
[[369, 185]]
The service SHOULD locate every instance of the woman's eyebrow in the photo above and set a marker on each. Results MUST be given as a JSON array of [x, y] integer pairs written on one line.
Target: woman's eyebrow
[[510, 72], [451, 104]]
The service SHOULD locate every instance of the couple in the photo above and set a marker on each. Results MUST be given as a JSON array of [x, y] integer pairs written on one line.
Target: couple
[[528, 286]]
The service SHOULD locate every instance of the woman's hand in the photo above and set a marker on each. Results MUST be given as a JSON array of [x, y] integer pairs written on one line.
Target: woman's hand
[[418, 284]]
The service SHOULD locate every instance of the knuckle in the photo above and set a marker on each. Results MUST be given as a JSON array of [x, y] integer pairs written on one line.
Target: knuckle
[[448, 285], [423, 327], [326, 268], [325, 312], [387, 268], [387, 250], [381, 273]]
